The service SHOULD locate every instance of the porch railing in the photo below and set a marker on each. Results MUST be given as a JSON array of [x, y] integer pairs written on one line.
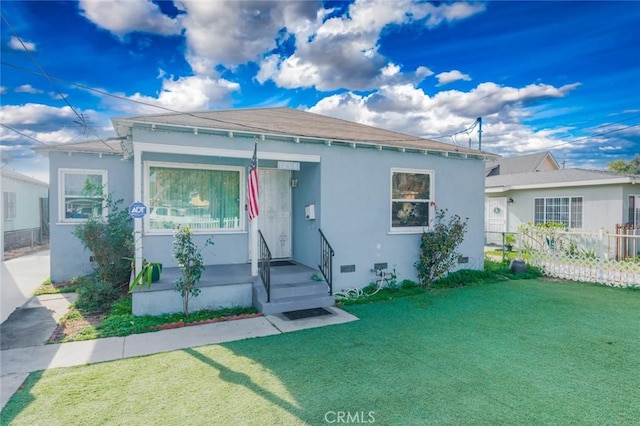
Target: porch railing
[[264, 265], [326, 261]]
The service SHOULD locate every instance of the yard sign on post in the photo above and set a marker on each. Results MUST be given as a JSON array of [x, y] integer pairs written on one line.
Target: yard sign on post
[[252, 206]]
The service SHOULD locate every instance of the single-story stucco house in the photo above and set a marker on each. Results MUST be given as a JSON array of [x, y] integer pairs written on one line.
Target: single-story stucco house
[[535, 189], [338, 201], [25, 210]]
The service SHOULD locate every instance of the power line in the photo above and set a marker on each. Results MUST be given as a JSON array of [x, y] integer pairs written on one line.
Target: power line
[[22, 134], [44, 73]]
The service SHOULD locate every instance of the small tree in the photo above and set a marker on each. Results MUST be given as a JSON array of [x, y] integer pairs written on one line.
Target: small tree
[[109, 239], [438, 247], [190, 262]]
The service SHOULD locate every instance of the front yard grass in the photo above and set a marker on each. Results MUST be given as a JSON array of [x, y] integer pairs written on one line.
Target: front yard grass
[[509, 352]]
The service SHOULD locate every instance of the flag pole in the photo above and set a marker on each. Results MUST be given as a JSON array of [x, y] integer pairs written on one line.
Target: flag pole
[[254, 248], [252, 207]]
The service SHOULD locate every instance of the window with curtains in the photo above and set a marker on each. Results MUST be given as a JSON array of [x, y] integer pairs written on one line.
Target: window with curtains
[[198, 196], [565, 210], [411, 199]]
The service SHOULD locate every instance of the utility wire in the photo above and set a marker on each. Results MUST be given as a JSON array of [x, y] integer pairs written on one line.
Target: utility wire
[[123, 98], [163, 108], [44, 73], [22, 134]]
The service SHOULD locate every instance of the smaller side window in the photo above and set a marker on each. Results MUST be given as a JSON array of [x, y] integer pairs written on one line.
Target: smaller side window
[[76, 203], [411, 199]]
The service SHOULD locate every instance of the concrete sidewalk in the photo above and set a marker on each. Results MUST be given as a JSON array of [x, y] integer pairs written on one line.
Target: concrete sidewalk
[[16, 364]]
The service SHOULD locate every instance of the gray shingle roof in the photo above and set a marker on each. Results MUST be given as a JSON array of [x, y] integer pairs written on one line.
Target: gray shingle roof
[[519, 164], [570, 177], [292, 123], [93, 146]]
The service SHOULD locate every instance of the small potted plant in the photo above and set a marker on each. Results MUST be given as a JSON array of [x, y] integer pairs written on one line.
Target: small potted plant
[[509, 241], [150, 273]]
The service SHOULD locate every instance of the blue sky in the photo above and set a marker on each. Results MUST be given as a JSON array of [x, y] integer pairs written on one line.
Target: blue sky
[[542, 75]]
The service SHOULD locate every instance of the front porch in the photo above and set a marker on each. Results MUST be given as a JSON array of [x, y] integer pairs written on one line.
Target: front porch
[[293, 286]]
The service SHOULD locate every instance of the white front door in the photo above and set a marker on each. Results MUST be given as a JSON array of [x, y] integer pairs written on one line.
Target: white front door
[[495, 219], [274, 220]]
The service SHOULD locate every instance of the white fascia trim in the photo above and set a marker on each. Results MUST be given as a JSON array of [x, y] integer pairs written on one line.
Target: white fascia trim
[[140, 147], [596, 182]]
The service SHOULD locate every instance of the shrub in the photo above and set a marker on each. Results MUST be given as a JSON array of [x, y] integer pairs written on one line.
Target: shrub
[[110, 240], [438, 247], [95, 295]]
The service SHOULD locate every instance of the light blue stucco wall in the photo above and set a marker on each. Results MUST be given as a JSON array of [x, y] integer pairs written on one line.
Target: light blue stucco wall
[[69, 258], [351, 190], [356, 193]]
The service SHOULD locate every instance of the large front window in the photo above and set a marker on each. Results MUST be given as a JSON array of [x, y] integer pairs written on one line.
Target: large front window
[[198, 196], [565, 210], [411, 199], [81, 193]]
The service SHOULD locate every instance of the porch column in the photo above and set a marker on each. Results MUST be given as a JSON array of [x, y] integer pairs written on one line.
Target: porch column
[[137, 196]]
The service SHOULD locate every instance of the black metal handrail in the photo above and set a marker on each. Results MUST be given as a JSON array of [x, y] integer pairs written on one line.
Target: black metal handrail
[[326, 261], [264, 265]]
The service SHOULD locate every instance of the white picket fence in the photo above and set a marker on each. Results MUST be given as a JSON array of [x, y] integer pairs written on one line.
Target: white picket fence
[[582, 256]]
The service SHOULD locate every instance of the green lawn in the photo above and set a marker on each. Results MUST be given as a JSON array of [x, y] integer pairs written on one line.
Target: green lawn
[[513, 352]]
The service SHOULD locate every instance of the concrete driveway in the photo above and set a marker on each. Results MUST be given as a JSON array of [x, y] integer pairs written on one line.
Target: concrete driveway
[[20, 277]]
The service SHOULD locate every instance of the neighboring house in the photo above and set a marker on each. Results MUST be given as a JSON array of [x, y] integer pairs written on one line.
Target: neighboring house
[[539, 162], [25, 212], [371, 192], [584, 200]]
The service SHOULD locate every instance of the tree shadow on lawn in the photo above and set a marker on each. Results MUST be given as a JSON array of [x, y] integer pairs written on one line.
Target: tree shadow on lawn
[[21, 399], [242, 379]]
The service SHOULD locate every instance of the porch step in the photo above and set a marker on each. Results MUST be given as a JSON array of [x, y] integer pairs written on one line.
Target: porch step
[[292, 288], [287, 304], [298, 289]]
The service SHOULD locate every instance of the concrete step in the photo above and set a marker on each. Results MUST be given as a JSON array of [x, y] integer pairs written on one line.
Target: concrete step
[[296, 303], [304, 288]]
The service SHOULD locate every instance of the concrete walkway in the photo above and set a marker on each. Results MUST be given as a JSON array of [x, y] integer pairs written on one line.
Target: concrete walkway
[[31, 320]]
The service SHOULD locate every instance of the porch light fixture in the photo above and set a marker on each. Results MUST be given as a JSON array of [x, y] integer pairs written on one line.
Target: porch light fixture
[[195, 130], [294, 183], [510, 200]]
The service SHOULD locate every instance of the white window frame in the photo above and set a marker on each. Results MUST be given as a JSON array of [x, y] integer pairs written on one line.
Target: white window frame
[[570, 212], [10, 205], [634, 217], [62, 173], [194, 166], [430, 202]]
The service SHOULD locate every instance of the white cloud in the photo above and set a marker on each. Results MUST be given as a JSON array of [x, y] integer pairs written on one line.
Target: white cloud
[[237, 32], [183, 94], [15, 44], [3, 90], [44, 123], [451, 76], [408, 109], [124, 16], [27, 88], [342, 51]]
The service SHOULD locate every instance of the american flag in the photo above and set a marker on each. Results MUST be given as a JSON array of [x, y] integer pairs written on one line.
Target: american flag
[[252, 186]]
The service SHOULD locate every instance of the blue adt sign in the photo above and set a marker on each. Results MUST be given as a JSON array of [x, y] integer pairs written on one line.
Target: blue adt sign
[[137, 210]]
